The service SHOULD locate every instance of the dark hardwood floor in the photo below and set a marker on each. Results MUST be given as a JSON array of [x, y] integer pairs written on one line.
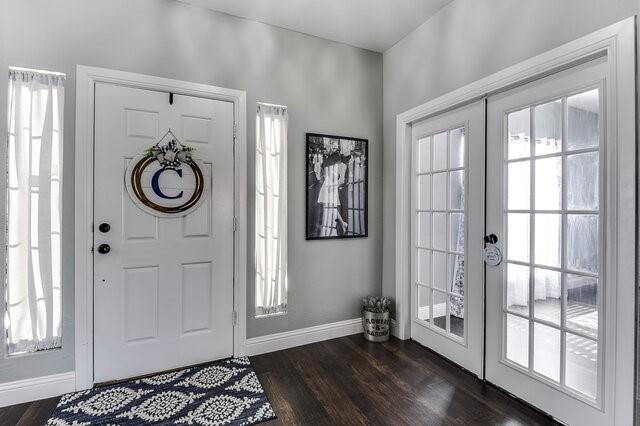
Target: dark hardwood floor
[[349, 381]]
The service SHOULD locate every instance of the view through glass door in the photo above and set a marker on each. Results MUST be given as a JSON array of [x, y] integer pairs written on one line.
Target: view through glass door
[[545, 198], [447, 268]]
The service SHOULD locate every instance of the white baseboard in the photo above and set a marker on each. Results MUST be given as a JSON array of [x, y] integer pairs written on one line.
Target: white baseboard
[[394, 328], [37, 388], [304, 336]]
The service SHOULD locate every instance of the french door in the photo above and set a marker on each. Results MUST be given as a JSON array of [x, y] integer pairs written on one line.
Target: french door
[[549, 303], [447, 234]]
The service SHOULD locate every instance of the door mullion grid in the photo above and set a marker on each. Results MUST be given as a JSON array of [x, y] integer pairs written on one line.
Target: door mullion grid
[[448, 252], [555, 268], [561, 211], [440, 211], [532, 265], [465, 222], [554, 154], [532, 229], [563, 239], [454, 169], [416, 284], [504, 181], [552, 325], [414, 227], [446, 233], [435, 250], [602, 271], [430, 224]]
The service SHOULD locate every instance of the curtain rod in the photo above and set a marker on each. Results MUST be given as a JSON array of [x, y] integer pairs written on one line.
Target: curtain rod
[[43, 72], [268, 104]]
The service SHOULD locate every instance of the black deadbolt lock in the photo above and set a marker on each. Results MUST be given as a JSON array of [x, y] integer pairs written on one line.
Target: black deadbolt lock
[[104, 227], [104, 248], [491, 239]]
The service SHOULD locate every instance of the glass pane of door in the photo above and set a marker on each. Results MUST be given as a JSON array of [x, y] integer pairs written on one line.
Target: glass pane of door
[[439, 182], [552, 227]]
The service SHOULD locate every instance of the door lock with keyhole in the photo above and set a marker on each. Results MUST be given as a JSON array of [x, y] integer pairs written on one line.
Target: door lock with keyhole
[[104, 228]]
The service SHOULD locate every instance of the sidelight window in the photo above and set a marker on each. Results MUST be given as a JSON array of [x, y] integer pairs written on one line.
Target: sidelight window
[[271, 210], [34, 205]]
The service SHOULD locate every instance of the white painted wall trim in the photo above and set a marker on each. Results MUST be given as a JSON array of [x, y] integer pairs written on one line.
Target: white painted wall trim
[[617, 43], [304, 336], [37, 388], [86, 78], [394, 328]]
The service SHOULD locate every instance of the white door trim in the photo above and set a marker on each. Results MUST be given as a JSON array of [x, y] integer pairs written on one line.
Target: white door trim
[[617, 43], [86, 78]]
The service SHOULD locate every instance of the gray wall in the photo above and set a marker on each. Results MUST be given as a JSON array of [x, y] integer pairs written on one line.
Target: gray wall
[[328, 87], [464, 42]]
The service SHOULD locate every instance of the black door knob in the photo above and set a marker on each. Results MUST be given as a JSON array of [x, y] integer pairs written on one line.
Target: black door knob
[[104, 248], [104, 227], [491, 239]]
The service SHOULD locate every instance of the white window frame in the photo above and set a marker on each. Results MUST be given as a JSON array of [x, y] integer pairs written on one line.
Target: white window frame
[[282, 201], [6, 213]]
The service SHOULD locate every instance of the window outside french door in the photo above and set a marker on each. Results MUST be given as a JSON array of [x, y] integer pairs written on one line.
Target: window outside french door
[[447, 293]]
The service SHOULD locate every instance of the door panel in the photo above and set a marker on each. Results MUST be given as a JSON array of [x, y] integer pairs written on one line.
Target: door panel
[[164, 294], [447, 206], [546, 201]]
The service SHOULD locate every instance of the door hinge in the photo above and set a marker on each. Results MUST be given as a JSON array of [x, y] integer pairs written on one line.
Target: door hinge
[[234, 317], [235, 224], [235, 131]]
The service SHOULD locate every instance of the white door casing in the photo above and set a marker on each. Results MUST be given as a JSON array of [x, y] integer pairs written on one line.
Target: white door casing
[[616, 43], [447, 235], [164, 293], [86, 80]]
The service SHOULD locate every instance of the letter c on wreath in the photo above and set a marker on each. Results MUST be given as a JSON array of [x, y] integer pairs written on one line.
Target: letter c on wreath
[[156, 186]]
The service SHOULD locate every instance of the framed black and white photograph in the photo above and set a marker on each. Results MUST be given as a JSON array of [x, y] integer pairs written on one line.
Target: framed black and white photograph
[[337, 193]]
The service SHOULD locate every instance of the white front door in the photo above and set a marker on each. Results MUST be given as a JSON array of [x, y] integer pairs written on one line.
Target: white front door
[[447, 235], [551, 304], [163, 295]]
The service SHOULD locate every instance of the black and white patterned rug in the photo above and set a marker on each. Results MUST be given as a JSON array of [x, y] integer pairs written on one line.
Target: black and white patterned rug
[[221, 393]]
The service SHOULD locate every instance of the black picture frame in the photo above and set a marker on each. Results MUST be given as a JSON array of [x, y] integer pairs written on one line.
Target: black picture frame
[[320, 151]]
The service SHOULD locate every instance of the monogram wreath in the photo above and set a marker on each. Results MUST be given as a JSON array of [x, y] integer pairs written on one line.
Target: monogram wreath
[[172, 154]]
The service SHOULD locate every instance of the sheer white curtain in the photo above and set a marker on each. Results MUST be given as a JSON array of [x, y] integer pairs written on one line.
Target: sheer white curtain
[[33, 289], [271, 210], [546, 283]]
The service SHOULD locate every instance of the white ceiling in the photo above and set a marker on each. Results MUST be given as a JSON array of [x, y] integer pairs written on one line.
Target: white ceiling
[[371, 24]]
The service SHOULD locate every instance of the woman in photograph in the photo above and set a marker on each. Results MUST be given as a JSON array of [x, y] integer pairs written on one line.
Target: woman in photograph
[[330, 170]]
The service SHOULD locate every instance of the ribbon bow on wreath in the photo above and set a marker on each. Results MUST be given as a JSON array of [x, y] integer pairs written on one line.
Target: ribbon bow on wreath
[[171, 154]]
